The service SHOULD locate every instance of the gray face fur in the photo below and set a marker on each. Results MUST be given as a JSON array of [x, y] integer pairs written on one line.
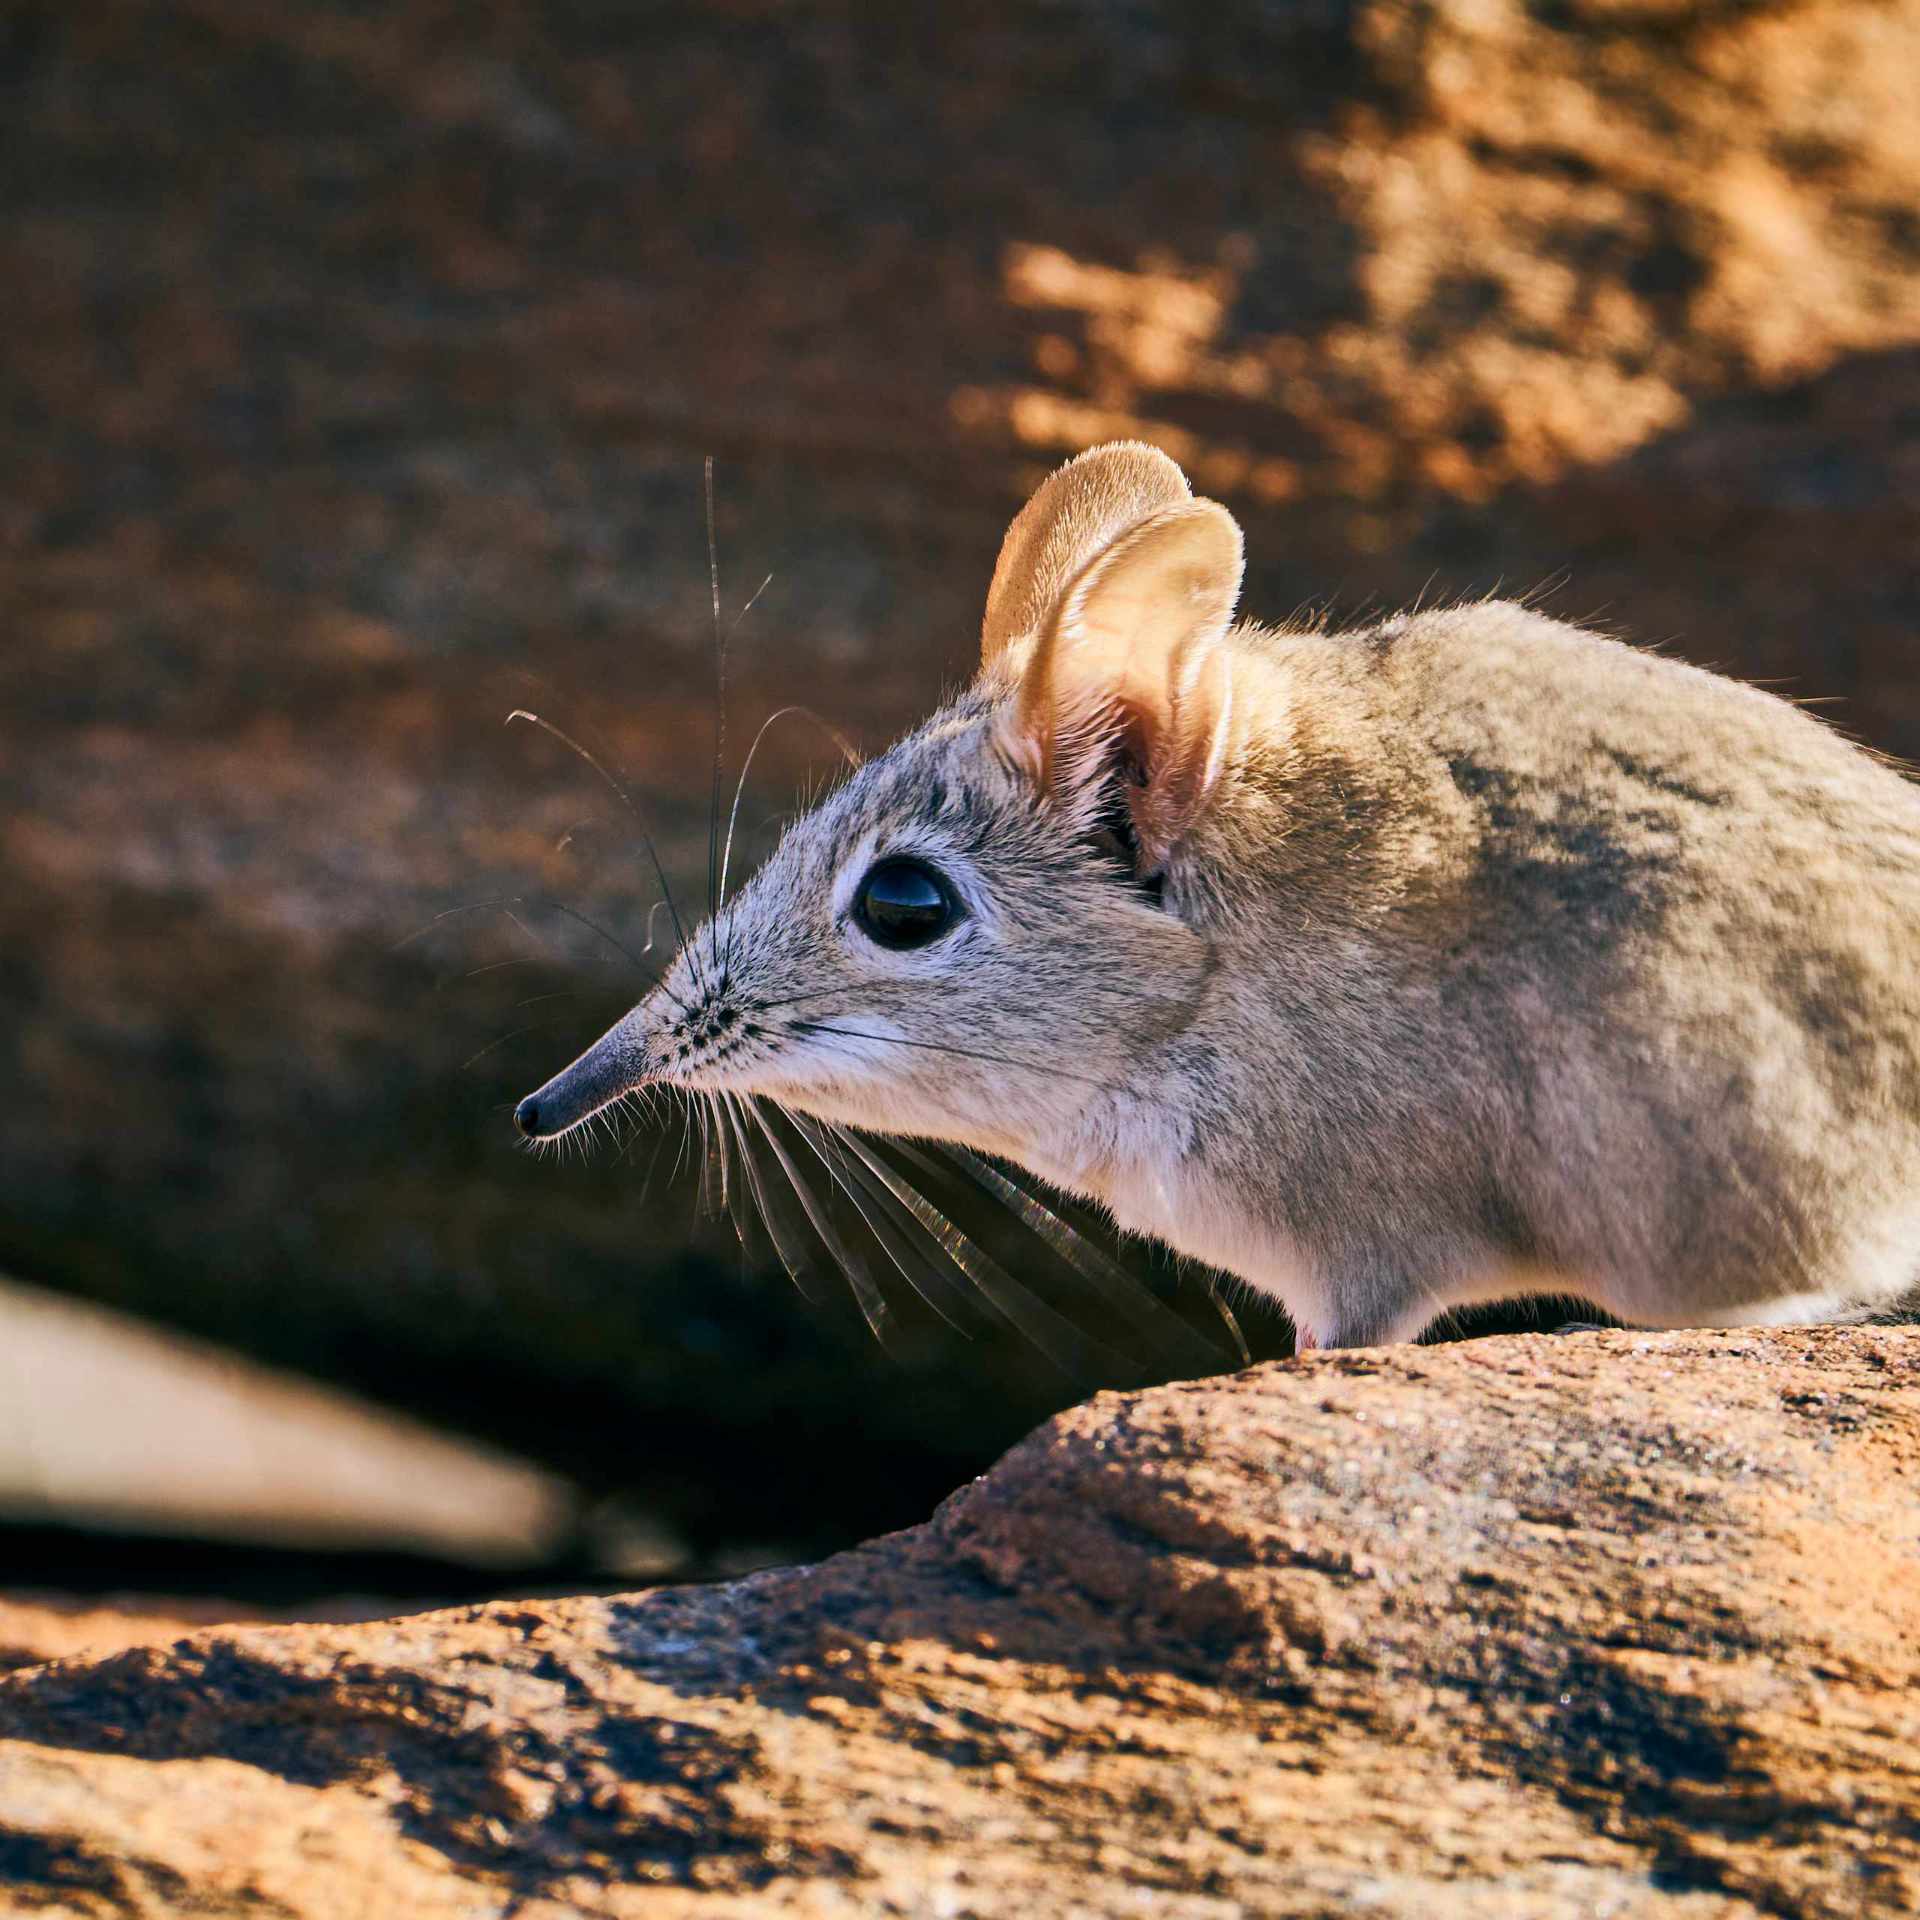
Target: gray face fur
[[1465, 956], [1008, 1032]]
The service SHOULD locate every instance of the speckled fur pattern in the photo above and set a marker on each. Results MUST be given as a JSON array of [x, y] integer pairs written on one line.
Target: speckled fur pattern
[[1501, 958]]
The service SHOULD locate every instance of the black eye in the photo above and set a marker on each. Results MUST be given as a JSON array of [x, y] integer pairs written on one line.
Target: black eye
[[904, 903]]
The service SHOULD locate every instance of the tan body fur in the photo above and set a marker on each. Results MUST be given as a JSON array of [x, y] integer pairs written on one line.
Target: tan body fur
[[1461, 956]]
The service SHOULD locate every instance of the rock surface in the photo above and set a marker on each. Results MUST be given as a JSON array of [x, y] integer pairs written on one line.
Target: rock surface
[[1599, 1625], [38, 1627]]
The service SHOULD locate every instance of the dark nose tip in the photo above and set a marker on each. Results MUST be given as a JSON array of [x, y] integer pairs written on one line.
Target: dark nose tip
[[526, 1116]]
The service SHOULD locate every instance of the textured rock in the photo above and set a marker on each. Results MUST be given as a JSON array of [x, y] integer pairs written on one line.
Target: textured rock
[[355, 368], [1598, 1625], [38, 1627]]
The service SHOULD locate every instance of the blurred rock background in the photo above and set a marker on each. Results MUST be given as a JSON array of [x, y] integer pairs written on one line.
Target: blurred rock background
[[357, 366]]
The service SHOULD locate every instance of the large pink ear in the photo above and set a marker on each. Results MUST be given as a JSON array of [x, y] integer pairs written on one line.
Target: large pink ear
[[1133, 668], [1075, 516]]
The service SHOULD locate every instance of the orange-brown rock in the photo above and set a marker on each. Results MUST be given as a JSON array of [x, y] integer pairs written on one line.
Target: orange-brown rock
[[1616, 1624], [36, 1627]]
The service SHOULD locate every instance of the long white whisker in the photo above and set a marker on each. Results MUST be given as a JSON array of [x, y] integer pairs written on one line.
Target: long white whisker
[[653, 913], [741, 1189], [787, 1244], [800, 999], [626, 800], [719, 716], [699, 1108], [540, 999], [492, 966], [740, 785], [1057, 1337], [653, 1163], [537, 1026], [1112, 1282], [934, 1046], [504, 904], [895, 1243], [866, 1291]]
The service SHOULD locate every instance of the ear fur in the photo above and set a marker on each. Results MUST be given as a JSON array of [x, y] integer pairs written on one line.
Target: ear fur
[[1074, 517], [1132, 668]]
